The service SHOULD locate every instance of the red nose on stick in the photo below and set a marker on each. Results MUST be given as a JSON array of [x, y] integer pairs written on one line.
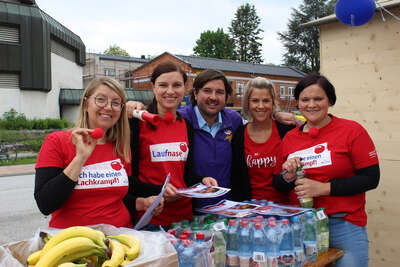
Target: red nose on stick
[[146, 116], [97, 133]]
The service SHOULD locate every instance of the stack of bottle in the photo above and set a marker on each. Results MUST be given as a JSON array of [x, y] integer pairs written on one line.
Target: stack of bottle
[[212, 241]]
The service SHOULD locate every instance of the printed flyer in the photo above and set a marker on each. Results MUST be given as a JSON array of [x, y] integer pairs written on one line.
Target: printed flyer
[[201, 191]]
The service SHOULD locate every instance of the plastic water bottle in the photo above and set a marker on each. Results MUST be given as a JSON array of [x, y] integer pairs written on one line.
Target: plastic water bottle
[[259, 245], [323, 231], [310, 237], [232, 258], [187, 255], [245, 245], [297, 228], [201, 251], [219, 248], [306, 202], [272, 244], [286, 248]]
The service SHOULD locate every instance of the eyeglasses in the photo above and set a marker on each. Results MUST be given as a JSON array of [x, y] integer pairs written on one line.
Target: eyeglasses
[[102, 101]]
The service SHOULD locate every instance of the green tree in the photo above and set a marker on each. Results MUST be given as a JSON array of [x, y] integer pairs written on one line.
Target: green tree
[[115, 50], [245, 33], [215, 44], [302, 43]]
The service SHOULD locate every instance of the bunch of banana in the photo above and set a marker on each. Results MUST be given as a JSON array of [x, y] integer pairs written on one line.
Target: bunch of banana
[[132, 245], [75, 244]]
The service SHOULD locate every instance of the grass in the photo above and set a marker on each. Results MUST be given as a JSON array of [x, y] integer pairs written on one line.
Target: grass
[[18, 161]]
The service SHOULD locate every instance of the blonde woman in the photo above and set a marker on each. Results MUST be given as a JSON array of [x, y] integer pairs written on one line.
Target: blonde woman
[[257, 145], [81, 180]]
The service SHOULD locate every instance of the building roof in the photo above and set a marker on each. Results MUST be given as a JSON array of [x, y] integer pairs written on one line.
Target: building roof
[[240, 66], [332, 18], [122, 58], [70, 96]]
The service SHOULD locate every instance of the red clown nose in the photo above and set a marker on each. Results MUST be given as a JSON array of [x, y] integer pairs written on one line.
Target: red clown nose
[[97, 133]]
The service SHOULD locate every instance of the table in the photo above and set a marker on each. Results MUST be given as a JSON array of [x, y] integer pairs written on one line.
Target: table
[[326, 259]]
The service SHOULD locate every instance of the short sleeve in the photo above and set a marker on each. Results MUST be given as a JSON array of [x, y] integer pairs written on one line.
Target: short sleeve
[[50, 154], [363, 152]]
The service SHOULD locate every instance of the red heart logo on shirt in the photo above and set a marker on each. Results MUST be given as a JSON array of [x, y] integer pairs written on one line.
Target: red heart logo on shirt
[[183, 147], [319, 149], [116, 165]]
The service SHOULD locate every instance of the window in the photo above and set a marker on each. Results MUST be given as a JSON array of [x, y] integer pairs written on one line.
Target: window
[[9, 81], [109, 72], [9, 34], [291, 92], [63, 51], [239, 88], [282, 91]]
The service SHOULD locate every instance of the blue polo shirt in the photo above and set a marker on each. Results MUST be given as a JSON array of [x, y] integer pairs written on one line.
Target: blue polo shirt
[[204, 125]]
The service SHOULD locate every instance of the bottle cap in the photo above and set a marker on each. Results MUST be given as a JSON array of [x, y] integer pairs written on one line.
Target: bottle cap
[[200, 236], [258, 226], [285, 221], [232, 222]]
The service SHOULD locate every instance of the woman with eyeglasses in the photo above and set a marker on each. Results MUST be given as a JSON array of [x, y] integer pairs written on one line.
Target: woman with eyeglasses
[[81, 180], [166, 148]]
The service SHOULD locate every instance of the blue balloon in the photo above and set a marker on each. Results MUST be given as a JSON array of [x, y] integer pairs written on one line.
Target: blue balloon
[[355, 12]]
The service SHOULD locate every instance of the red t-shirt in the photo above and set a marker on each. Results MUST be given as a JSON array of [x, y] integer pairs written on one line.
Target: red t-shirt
[[340, 148], [102, 184], [164, 150], [263, 160]]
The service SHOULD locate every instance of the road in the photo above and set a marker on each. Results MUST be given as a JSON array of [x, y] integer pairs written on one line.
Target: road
[[19, 215]]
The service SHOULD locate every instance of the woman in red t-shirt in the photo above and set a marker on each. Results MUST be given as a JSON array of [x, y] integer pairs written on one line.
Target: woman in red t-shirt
[[81, 180], [256, 146], [340, 163], [166, 148]]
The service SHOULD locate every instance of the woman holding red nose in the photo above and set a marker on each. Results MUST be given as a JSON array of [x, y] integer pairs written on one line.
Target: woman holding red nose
[[165, 148], [81, 174], [340, 163]]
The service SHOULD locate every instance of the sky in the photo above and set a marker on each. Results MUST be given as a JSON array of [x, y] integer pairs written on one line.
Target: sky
[[153, 27]]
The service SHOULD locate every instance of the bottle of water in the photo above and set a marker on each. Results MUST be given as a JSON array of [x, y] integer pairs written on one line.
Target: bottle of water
[[187, 255], [201, 250], [310, 237], [272, 244], [259, 245], [219, 248], [232, 258], [297, 228], [306, 202], [323, 233], [286, 248], [245, 245]]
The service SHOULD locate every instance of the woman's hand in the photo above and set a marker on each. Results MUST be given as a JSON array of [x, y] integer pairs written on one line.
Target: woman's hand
[[310, 188], [133, 105], [84, 143], [142, 204], [171, 193], [290, 166], [285, 118], [209, 181]]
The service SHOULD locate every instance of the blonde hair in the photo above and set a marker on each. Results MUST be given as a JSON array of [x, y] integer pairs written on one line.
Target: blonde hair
[[259, 83], [119, 134]]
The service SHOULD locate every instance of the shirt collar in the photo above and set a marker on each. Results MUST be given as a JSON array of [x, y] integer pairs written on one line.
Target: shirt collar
[[201, 120]]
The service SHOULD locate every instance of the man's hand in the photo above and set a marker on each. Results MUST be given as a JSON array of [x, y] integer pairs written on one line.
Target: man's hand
[[209, 181], [133, 105], [171, 193], [286, 118]]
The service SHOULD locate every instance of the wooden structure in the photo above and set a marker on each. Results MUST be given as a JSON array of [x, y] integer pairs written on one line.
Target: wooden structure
[[363, 63], [326, 259]]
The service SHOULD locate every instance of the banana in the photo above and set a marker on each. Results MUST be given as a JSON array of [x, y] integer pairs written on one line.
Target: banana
[[45, 236], [71, 264], [63, 249], [34, 257], [117, 255], [75, 231], [84, 254], [130, 241]]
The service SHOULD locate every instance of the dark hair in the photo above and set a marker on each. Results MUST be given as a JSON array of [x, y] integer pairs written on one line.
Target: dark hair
[[206, 76], [164, 67], [322, 81]]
